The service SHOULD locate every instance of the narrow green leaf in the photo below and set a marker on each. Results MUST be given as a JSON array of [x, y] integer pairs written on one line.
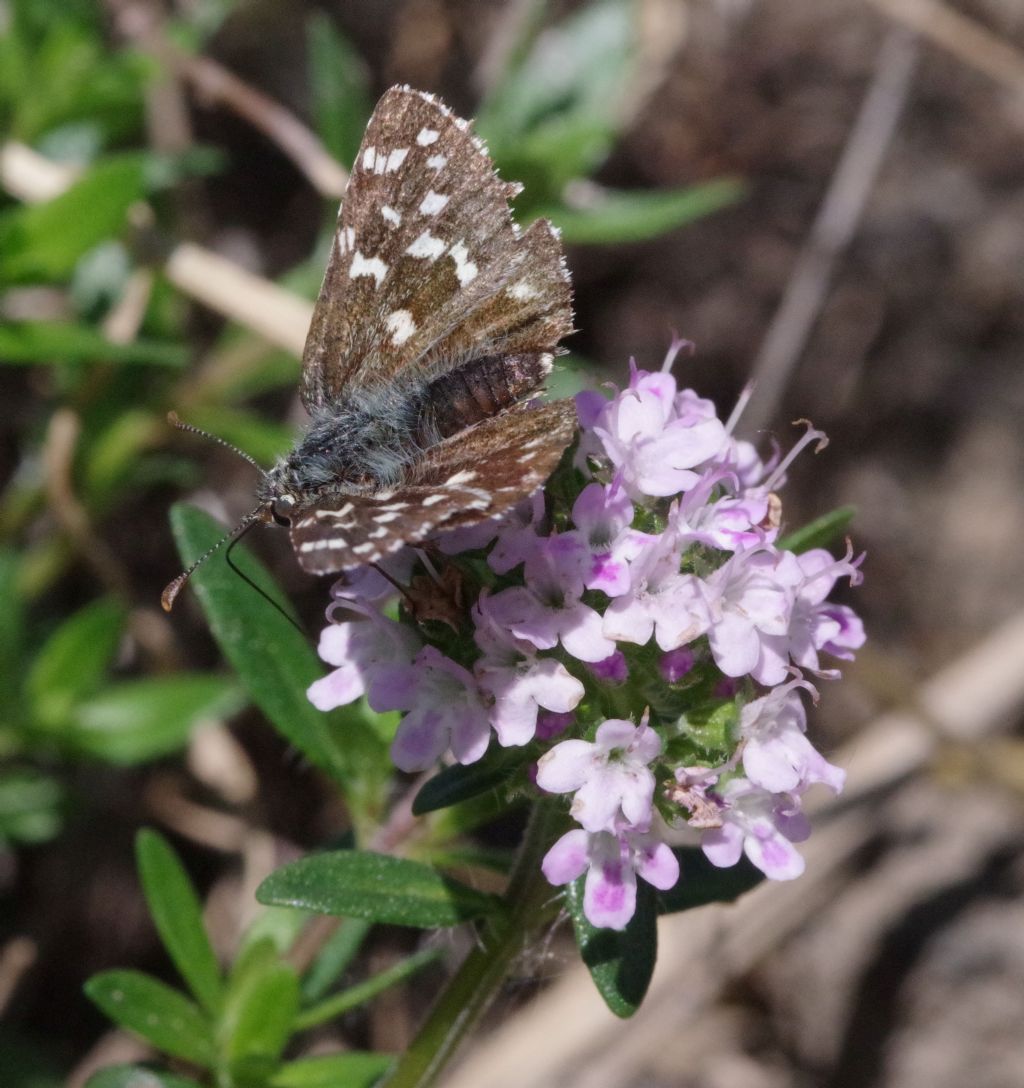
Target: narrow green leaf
[[700, 882], [274, 661], [11, 637], [26, 342], [140, 720], [137, 1076], [338, 1004], [178, 917], [624, 216], [819, 533], [621, 963], [44, 241], [354, 1069], [259, 1011], [335, 956], [164, 1016], [340, 87], [30, 805], [462, 782], [73, 662], [362, 884]]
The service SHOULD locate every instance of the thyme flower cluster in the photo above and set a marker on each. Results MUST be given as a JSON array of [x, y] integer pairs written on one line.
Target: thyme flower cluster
[[638, 627]]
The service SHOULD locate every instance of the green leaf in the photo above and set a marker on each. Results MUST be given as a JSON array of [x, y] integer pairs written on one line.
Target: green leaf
[[30, 805], [140, 720], [819, 533], [164, 1016], [621, 963], [73, 663], [340, 87], [635, 216], [259, 1011], [334, 957], [573, 80], [178, 917], [354, 1069], [137, 1076], [362, 884], [461, 782], [44, 241], [273, 660], [25, 342], [700, 882], [11, 635]]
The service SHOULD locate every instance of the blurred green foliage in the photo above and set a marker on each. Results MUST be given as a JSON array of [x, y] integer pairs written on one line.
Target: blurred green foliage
[[79, 681]]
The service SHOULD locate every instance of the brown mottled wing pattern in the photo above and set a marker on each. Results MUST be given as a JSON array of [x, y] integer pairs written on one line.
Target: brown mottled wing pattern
[[427, 268], [477, 474]]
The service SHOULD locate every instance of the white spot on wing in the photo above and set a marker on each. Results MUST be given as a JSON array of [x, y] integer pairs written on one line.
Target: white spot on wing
[[390, 215], [426, 245], [401, 326], [362, 549], [368, 266], [437, 162], [369, 158], [427, 136], [432, 500], [432, 203], [392, 162], [523, 291], [465, 269], [462, 477], [383, 519]]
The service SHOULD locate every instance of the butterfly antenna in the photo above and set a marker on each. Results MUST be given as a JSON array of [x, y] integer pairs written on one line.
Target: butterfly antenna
[[174, 421], [170, 594], [259, 589]]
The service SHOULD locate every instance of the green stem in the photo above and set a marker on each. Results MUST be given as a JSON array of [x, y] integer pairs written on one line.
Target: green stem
[[530, 902], [355, 996]]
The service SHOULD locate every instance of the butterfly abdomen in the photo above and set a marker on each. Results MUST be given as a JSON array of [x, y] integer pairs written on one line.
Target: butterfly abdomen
[[479, 390]]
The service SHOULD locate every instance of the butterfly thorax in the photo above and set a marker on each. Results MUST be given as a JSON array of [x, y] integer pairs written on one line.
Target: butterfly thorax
[[365, 442]]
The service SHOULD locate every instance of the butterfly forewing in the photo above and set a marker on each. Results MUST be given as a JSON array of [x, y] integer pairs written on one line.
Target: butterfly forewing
[[471, 476], [427, 268]]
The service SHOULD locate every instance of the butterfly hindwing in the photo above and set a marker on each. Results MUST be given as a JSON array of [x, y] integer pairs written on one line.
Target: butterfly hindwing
[[472, 476]]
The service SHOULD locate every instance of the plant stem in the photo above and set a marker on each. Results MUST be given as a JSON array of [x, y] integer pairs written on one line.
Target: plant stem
[[530, 902]]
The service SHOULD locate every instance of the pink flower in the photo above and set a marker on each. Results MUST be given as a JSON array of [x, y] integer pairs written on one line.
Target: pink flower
[[603, 516], [444, 710], [610, 778], [660, 600], [548, 610], [729, 523], [517, 538], [520, 682], [760, 824], [751, 598], [360, 649], [612, 864], [816, 624], [777, 756]]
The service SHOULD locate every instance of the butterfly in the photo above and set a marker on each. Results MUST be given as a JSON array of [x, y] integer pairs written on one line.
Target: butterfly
[[437, 321]]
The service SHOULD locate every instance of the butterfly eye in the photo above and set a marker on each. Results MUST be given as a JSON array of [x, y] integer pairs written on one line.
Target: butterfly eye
[[282, 509]]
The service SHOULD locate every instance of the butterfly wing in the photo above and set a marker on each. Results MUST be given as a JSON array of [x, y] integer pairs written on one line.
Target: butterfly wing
[[427, 269], [477, 474]]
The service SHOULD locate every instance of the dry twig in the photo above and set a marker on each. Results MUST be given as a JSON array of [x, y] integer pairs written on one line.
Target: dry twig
[[834, 226]]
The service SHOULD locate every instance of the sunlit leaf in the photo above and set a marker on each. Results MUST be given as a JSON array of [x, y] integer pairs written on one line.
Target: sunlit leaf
[[138, 720], [354, 1069], [340, 87], [44, 241], [137, 1076], [26, 342], [274, 661], [72, 664], [821, 532], [178, 917], [376, 887], [259, 1010], [30, 805], [164, 1016]]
